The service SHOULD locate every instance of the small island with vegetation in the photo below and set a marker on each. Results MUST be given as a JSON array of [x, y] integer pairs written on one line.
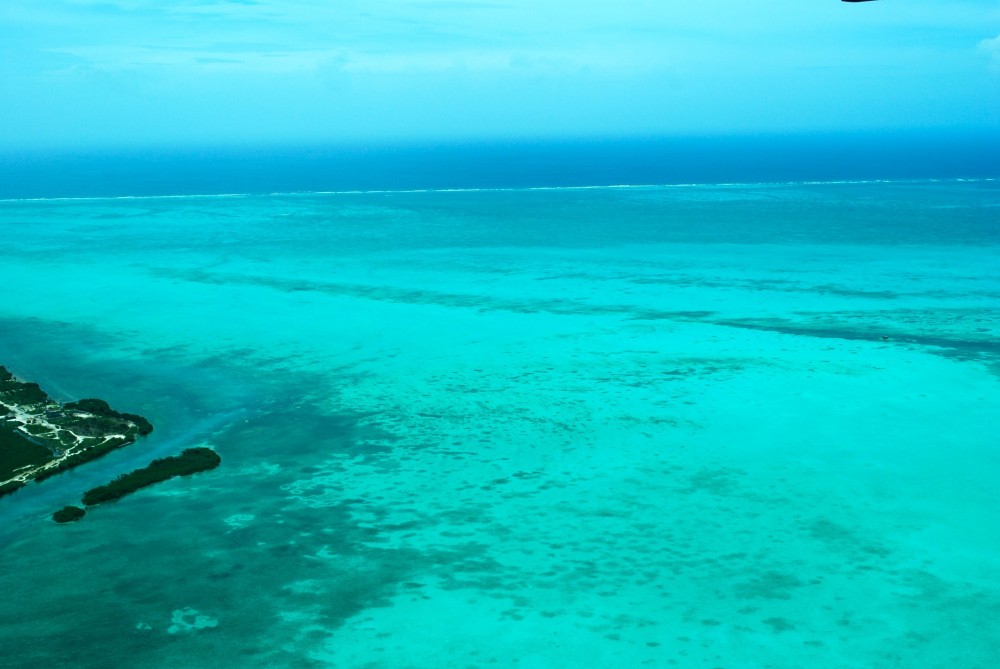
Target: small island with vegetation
[[190, 461], [40, 437], [68, 514]]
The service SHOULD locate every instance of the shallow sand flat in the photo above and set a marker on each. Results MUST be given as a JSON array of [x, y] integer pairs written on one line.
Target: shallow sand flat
[[710, 528], [446, 446]]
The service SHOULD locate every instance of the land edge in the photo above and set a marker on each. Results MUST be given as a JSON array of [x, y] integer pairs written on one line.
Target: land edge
[[39, 422], [43, 437], [190, 461]]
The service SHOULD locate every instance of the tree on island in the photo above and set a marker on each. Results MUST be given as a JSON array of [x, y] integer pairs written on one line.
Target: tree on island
[[190, 461], [68, 514]]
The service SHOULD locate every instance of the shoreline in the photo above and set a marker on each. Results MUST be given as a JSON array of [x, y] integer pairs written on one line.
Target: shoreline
[[73, 433]]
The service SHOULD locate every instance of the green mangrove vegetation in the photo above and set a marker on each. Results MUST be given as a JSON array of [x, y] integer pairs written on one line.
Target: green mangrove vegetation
[[68, 514], [40, 437], [11, 487], [190, 461], [79, 458], [100, 409], [18, 451]]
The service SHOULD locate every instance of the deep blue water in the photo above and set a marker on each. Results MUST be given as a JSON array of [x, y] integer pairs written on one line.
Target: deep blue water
[[512, 164]]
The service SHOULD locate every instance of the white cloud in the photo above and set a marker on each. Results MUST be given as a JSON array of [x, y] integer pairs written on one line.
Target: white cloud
[[991, 47], [347, 67]]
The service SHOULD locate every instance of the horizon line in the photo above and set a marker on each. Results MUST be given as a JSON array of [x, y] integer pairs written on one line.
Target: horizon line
[[404, 191], [370, 143]]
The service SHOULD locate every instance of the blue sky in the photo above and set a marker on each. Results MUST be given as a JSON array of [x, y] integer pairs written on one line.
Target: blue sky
[[139, 72]]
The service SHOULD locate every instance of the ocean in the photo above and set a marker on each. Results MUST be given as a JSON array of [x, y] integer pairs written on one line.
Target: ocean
[[719, 426]]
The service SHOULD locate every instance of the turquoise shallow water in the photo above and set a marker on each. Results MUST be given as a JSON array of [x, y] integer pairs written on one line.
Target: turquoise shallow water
[[720, 427]]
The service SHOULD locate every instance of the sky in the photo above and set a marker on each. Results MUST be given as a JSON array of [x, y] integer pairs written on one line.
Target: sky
[[83, 73]]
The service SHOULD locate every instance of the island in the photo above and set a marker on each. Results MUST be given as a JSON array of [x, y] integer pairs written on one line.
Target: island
[[190, 461], [40, 437], [68, 514]]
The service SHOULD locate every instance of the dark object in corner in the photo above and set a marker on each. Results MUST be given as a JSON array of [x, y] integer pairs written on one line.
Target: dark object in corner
[[68, 514], [191, 461]]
